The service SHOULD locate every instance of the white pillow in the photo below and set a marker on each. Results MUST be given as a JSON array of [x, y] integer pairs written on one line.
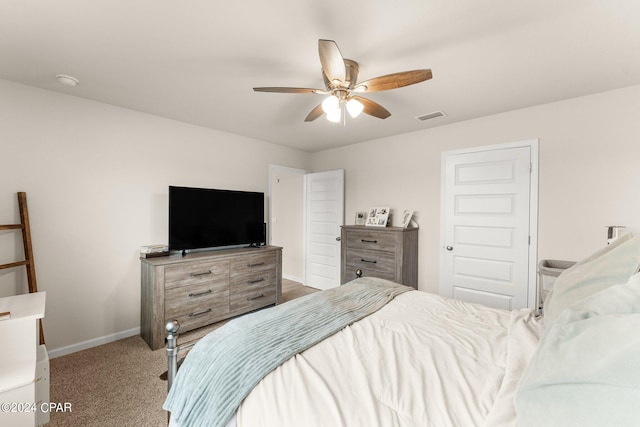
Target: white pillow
[[613, 264], [586, 370]]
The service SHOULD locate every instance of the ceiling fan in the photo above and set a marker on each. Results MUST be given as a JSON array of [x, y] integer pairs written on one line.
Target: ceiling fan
[[340, 77]]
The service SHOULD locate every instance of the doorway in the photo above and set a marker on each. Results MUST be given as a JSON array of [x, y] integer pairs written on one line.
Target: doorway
[[286, 218], [306, 212]]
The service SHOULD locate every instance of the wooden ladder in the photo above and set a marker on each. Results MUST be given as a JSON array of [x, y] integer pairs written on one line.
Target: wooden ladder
[[28, 250]]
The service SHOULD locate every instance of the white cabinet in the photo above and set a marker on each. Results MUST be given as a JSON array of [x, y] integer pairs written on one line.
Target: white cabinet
[[19, 356]]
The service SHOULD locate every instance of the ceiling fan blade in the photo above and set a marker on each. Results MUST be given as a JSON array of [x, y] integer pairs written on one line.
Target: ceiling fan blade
[[393, 81], [327, 83], [289, 90], [314, 114], [373, 108], [331, 59], [351, 72]]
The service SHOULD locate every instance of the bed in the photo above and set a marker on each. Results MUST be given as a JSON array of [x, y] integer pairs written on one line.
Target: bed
[[375, 353]]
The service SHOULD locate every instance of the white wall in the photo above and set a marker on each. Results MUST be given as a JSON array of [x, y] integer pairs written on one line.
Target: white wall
[[589, 171], [96, 179]]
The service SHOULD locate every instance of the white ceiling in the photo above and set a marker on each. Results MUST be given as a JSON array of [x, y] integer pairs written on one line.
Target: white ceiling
[[197, 61]]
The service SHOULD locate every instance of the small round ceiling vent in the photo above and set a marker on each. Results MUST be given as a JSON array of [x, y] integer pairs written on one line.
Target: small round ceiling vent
[[65, 80]]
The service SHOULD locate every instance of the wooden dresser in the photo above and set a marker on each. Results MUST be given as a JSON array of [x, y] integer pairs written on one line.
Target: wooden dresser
[[389, 253], [205, 287]]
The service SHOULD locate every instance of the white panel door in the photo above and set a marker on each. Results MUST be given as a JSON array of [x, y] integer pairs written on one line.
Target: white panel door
[[324, 215], [486, 227]]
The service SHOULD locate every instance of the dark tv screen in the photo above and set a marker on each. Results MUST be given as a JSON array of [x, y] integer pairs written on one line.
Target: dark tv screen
[[208, 218]]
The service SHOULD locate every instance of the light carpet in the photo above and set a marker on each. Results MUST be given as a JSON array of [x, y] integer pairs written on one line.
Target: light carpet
[[118, 384]]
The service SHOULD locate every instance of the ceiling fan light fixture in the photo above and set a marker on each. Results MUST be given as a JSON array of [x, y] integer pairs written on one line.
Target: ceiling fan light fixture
[[354, 107], [335, 116], [330, 104]]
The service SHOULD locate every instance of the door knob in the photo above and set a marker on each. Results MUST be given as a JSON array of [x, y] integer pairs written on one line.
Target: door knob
[[338, 239], [449, 248]]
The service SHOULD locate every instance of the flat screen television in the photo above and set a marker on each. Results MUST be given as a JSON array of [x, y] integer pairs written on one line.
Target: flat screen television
[[208, 218]]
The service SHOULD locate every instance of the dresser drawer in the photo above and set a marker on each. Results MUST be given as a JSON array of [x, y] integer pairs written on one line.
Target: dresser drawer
[[197, 301], [371, 239], [193, 273], [187, 300], [252, 279], [260, 261], [384, 262], [197, 319], [350, 274], [250, 297]]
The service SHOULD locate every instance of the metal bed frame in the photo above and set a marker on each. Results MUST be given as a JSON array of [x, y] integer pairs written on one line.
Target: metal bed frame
[[172, 327]]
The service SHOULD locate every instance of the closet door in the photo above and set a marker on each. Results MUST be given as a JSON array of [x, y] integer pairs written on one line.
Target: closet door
[[488, 204]]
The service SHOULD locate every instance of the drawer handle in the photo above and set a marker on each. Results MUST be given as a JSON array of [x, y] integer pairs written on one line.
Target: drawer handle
[[368, 241], [257, 264], [369, 261], [251, 282], [200, 313], [199, 294], [200, 274], [257, 297]]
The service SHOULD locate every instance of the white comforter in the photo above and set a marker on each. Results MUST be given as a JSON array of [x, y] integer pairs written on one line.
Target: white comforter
[[419, 361]]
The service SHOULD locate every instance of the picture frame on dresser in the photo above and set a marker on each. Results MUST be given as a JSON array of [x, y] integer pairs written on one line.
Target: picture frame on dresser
[[361, 218], [406, 218], [378, 217]]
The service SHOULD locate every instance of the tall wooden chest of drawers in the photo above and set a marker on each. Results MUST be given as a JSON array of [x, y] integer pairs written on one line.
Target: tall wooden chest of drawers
[[205, 287], [389, 253]]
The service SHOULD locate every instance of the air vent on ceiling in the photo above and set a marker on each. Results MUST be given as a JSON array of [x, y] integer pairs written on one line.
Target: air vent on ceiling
[[431, 115]]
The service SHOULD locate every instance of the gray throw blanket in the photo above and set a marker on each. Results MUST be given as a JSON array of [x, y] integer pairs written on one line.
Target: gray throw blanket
[[221, 370]]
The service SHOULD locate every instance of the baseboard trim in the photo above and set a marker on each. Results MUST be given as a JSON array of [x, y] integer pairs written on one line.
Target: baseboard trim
[[295, 279], [63, 351]]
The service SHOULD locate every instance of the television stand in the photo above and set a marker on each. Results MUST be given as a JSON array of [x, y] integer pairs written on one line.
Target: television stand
[[200, 288]]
